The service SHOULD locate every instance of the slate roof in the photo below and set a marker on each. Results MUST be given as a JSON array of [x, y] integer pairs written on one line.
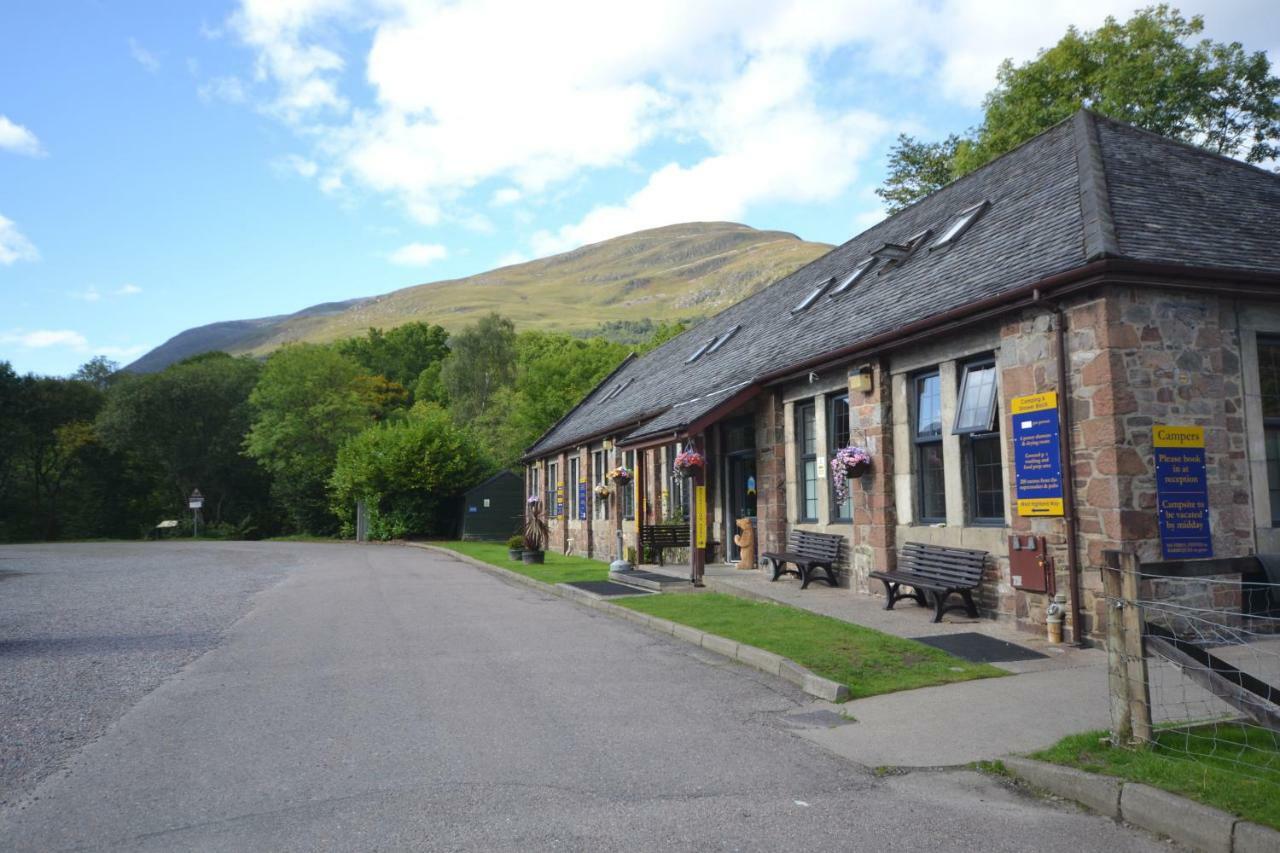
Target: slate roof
[[1085, 189]]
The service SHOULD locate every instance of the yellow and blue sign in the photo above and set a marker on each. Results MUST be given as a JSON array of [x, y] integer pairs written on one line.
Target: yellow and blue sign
[[1182, 492], [1037, 454], [582, 500], [700, 516]]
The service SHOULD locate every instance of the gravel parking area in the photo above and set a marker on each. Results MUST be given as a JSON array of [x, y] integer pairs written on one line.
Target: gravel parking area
[[86, 630]]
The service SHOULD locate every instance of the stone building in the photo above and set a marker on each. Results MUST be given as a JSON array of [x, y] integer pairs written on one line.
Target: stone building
[[1130, 279]]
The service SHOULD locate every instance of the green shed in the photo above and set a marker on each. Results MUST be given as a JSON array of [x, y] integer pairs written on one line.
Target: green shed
[[494, 510]]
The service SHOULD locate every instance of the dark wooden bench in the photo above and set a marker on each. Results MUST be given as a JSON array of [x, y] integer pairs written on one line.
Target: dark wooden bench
[[935, 571], [806, 551], [658, 537]]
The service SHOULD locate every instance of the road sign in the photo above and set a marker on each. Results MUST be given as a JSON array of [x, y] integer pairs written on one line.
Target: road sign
[[196, 501]]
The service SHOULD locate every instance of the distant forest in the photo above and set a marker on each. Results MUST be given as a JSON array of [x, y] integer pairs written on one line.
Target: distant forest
[[404, 419]]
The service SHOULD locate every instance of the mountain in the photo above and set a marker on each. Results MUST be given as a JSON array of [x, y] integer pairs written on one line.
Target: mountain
[[676, 272]]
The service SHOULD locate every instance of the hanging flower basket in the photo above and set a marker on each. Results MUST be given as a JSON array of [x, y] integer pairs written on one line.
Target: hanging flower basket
[[620, 475], [602, 492], [688, 462], [848, 463]]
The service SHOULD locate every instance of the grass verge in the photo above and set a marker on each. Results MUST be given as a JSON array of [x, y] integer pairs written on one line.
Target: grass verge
[[557, 569], [1225, 765], [868, 661]]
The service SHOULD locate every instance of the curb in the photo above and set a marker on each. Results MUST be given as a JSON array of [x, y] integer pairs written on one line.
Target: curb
[[765, 661], [1186, 821]]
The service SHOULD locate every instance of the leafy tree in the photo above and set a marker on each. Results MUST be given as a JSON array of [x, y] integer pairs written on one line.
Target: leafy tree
[[98, 371], [186, 424], [483, 360], [662, 332], [400, 354], [410, 471], [308, 401], [1148, 71]]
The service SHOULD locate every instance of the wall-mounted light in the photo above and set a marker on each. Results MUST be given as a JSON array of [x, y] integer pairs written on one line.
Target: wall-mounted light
[[860, 379]]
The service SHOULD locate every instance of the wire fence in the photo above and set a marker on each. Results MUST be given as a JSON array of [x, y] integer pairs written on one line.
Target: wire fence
[[1194, 652]]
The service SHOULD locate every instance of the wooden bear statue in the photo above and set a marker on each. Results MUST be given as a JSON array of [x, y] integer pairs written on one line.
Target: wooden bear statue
[[746, 542]]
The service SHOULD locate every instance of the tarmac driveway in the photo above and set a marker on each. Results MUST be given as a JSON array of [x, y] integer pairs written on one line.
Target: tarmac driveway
[[388, 698]]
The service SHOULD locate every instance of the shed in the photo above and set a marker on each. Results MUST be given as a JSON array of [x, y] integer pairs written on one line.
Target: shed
[[493, 510]]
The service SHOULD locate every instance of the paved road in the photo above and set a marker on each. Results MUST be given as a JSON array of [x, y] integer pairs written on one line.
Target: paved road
[[385, 698]]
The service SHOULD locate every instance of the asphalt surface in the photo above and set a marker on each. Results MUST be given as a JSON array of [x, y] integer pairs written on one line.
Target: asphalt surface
[[384, 698]]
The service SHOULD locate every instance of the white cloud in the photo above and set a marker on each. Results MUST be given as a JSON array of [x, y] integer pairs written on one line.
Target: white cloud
[[14, 246], [143, 57], [299, 165], [505, 196], [418, 254], [229, 89], [92, 294], [45, 338], [18, 139], [128, 290]]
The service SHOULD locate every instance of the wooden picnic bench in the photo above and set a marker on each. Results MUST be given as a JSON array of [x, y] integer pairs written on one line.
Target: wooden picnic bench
[[658, 537], [807, 551], [935, 571]]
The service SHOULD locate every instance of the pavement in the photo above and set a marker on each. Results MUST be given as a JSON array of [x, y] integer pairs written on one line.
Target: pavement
[[382, 697]]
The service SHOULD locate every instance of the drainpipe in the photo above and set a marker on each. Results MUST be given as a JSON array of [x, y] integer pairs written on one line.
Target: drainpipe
[[1068, 477]]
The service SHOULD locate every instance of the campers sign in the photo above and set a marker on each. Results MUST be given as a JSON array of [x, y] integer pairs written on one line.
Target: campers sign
[[1037, 455], [1182, 492]]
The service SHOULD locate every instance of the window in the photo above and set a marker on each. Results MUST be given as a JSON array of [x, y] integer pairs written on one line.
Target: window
[[574, 497], [549, 497], [1269, 376], [599, 467], [629, 490], [961, 224], [813, 296], [618, 389], [697, 354], [976, 411], [930, 478], [976, 423], [838, 437], [723, 339], [532, 483], [677, 508], [807, 459], [848, 281]]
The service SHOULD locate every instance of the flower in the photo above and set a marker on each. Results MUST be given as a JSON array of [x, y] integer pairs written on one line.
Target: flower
[[533, 500], [847, 461], [602, 491], [687, 461], [620, 474]]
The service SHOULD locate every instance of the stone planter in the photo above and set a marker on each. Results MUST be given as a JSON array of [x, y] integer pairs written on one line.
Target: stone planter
[[515, 554], [533, 557]]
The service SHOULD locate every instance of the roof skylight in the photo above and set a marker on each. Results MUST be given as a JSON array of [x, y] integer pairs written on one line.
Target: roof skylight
[[961, 224], [813, 297], [617, 389], [697, 354], [722, 340], [848, 281]]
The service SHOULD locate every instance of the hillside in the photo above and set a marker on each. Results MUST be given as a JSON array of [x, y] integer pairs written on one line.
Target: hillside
[[679, 271]]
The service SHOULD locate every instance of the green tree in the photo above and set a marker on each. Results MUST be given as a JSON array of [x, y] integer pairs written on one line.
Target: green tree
[[98, 371], [187, 424], [1149, 71], [410, 471], [482, 361], [400, 354], [309, 400]]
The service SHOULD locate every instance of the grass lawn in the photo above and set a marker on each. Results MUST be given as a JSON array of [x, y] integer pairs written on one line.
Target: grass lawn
[[1229, 766], [557, 569], [868, 661]]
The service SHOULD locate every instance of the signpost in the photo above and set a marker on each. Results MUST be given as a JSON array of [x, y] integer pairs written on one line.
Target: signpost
[[194, 503], [1182, 492], [1037, 456], [582, 500]]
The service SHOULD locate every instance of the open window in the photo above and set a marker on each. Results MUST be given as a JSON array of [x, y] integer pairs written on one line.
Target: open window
[[976, 408], [959, 225], [722, 340], [813, 295], [863, 267]]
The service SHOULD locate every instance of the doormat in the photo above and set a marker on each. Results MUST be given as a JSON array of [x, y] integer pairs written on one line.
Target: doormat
[[607, 588], [979, 648]]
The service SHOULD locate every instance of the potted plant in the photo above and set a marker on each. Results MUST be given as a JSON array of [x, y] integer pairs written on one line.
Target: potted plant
[[846, 464], [602, 492], [620, 475], [687, 462], [515, 547], [535, 533]]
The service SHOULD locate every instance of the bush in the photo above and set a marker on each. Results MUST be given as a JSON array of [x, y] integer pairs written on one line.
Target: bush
[[410, 472], [516, 543]]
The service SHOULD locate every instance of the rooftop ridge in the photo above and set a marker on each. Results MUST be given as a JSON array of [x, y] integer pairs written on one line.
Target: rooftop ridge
[[1098, 225]]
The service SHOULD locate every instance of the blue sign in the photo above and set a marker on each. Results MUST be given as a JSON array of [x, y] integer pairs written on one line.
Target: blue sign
[[582, 500], [1182, 493], [1037, 456]]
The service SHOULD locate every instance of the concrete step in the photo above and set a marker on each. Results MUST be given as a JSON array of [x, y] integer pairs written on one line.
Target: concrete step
[[652, 581]]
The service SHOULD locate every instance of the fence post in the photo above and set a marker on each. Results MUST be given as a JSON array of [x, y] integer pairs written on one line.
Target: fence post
[[1117, 669], [1126, 663]]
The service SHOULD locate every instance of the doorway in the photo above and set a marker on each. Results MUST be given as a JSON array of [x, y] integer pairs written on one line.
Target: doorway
[[740, 480]]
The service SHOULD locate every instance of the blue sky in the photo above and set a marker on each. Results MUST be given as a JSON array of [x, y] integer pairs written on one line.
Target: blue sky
[[165, 165]]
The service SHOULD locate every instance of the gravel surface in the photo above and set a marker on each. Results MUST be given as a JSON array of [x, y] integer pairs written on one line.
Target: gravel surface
[[392, 699], [86, 630]]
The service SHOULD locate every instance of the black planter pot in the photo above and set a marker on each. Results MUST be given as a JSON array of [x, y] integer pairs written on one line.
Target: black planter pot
[[515, 553], [533, 557], [857, 470]]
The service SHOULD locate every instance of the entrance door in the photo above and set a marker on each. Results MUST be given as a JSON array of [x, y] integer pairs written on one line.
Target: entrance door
[[742, 496]]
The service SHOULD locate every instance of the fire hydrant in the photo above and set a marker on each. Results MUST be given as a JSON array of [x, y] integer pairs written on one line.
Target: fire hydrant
[[1054, 614]]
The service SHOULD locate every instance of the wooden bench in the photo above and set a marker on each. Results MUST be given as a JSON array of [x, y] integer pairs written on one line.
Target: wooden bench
[[658, 537], [936, 571], [806, 551]]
